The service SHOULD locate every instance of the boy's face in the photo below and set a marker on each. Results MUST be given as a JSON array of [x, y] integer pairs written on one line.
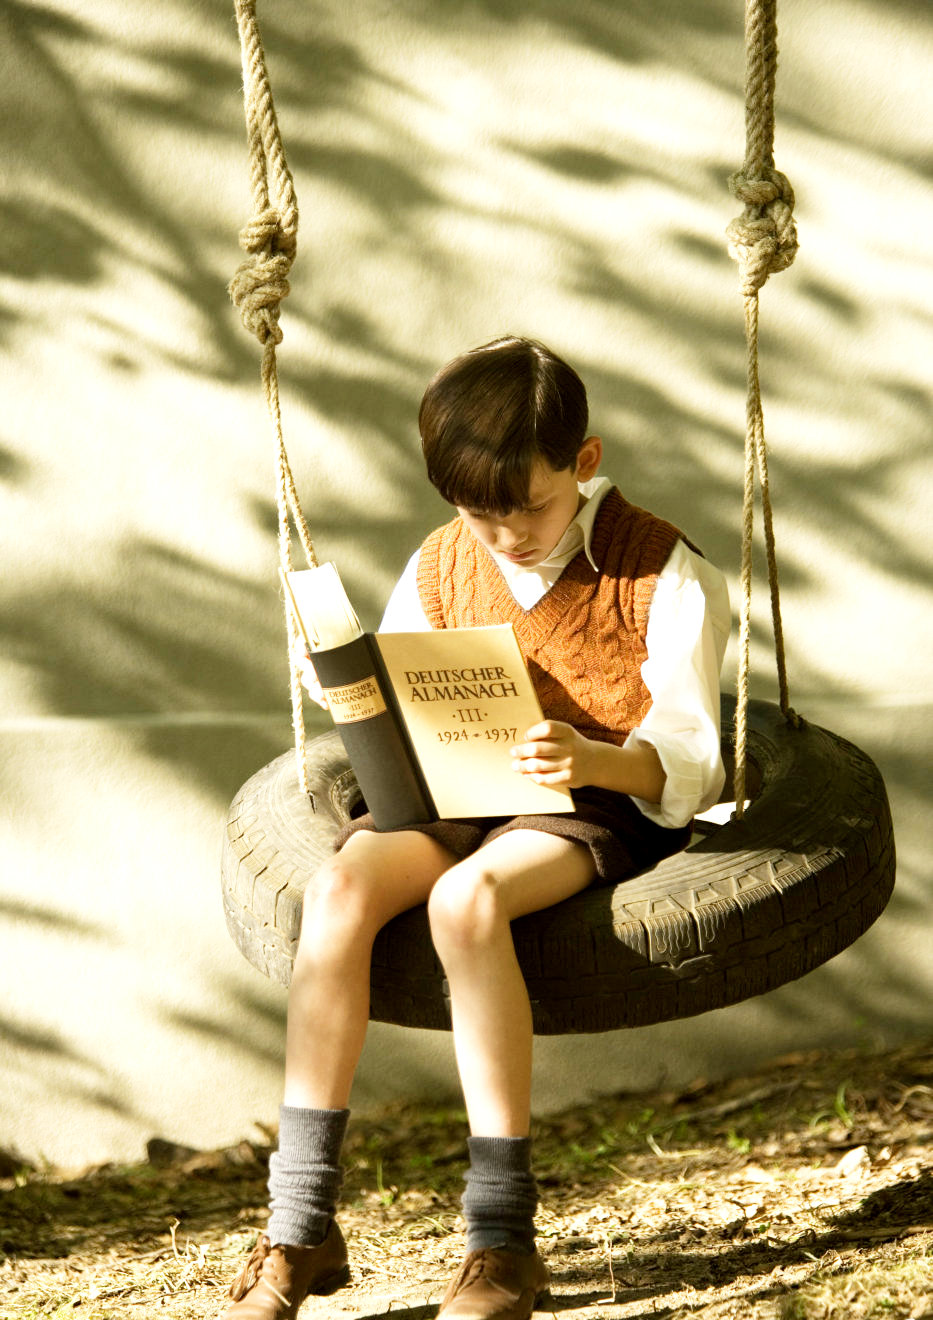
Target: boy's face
[[527, 536]]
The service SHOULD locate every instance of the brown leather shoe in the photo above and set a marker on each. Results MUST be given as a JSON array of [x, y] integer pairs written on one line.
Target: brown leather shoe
[[275, 1280], [495, 1285]]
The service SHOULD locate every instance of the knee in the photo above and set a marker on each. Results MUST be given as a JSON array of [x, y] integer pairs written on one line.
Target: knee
[[336, 905], [465, 910]]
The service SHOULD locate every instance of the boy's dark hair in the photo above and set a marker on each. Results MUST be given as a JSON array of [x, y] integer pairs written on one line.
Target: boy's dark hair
[[489, 416]]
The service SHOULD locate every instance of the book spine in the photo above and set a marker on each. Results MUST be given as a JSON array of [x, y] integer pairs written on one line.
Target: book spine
[[363, 708]]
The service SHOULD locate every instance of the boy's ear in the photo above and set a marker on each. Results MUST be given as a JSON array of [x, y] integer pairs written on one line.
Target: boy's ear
[[589, 457]]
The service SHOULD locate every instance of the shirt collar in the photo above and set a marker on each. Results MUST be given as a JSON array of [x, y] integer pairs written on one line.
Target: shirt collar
[[579, 533]]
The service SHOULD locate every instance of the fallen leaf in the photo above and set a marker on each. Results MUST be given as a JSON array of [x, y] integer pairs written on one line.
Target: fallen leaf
[[854, 1162]]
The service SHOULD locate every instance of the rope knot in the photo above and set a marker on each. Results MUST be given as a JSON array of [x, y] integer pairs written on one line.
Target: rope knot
[[270, 241], [763, 239]]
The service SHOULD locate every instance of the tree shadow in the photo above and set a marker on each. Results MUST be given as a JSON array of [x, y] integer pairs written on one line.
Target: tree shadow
[[906, 1204], [255, 1028], [173, 637], [100, 207], [47, 239], [84, 1078], [168, 645], [14, 469], [632, 35], [17, 911]]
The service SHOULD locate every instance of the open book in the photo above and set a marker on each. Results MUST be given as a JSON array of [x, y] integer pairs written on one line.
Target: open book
[[427, 718]]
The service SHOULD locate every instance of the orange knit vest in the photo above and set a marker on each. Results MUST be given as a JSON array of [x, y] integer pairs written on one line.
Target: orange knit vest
[[584, 641]]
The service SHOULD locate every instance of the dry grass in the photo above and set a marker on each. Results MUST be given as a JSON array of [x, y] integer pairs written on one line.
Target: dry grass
[[803, 1192], [870, 1292]]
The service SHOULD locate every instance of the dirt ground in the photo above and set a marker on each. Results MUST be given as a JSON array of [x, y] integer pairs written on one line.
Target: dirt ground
[[803, 1191]]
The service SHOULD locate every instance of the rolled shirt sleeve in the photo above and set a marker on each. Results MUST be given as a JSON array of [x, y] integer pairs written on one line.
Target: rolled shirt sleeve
[[688, 629]]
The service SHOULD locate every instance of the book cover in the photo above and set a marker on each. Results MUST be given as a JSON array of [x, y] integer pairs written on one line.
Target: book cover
[[466, 698], [428, 718]]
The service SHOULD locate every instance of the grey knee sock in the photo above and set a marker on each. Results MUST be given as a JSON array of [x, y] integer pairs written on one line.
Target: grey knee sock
[[305, 1175], [501, 1195]]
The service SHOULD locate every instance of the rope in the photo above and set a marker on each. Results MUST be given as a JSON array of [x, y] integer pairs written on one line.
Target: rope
[[270, 241], [762, 240]]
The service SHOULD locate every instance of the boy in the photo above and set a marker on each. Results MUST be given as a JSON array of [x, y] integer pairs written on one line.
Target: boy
[[623, 627]]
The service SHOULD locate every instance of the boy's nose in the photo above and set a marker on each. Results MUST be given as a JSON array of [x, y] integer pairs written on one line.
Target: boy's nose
[[510, 540]]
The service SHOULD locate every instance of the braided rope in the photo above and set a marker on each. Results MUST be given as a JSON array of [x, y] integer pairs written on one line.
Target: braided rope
[[762, 240], [270, 241]]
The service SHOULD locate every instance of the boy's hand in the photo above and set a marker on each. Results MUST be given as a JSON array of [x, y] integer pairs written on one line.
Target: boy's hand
[[554, 753], [309, 679]]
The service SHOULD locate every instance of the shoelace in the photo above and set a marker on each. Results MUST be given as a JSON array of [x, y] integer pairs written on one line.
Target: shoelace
[[249, 1275], [473, 1268]]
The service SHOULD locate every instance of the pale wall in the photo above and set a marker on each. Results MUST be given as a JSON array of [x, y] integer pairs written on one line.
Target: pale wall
[[553, 168]]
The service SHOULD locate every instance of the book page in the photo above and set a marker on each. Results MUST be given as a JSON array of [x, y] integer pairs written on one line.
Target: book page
[[321, 606], [467, 698]]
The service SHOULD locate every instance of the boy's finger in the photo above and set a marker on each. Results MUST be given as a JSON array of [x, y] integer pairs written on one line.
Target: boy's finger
[[532, 765], [546, 749], [550, 776], [538, 731]]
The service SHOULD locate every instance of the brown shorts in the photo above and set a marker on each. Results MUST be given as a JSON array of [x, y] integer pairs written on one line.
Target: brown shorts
[[621, 840]]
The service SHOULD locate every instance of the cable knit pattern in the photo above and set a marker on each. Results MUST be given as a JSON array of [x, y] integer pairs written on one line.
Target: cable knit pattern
[[585, 617]]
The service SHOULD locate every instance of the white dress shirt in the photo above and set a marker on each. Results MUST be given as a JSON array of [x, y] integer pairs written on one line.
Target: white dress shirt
[[688, 628]]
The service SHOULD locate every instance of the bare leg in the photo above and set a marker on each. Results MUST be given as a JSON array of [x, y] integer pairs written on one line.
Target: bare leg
[[471, 907], [352, 896]]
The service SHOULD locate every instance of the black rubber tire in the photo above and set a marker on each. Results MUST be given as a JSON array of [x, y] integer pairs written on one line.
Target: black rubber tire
[[745, 908]]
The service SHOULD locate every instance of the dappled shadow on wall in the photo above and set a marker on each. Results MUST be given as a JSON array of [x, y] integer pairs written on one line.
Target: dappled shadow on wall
[[167, 641], [166, 645], [80, 204], [79, 1077]]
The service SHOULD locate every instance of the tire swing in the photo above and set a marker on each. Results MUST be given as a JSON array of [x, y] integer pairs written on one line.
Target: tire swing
[[787, 882]]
